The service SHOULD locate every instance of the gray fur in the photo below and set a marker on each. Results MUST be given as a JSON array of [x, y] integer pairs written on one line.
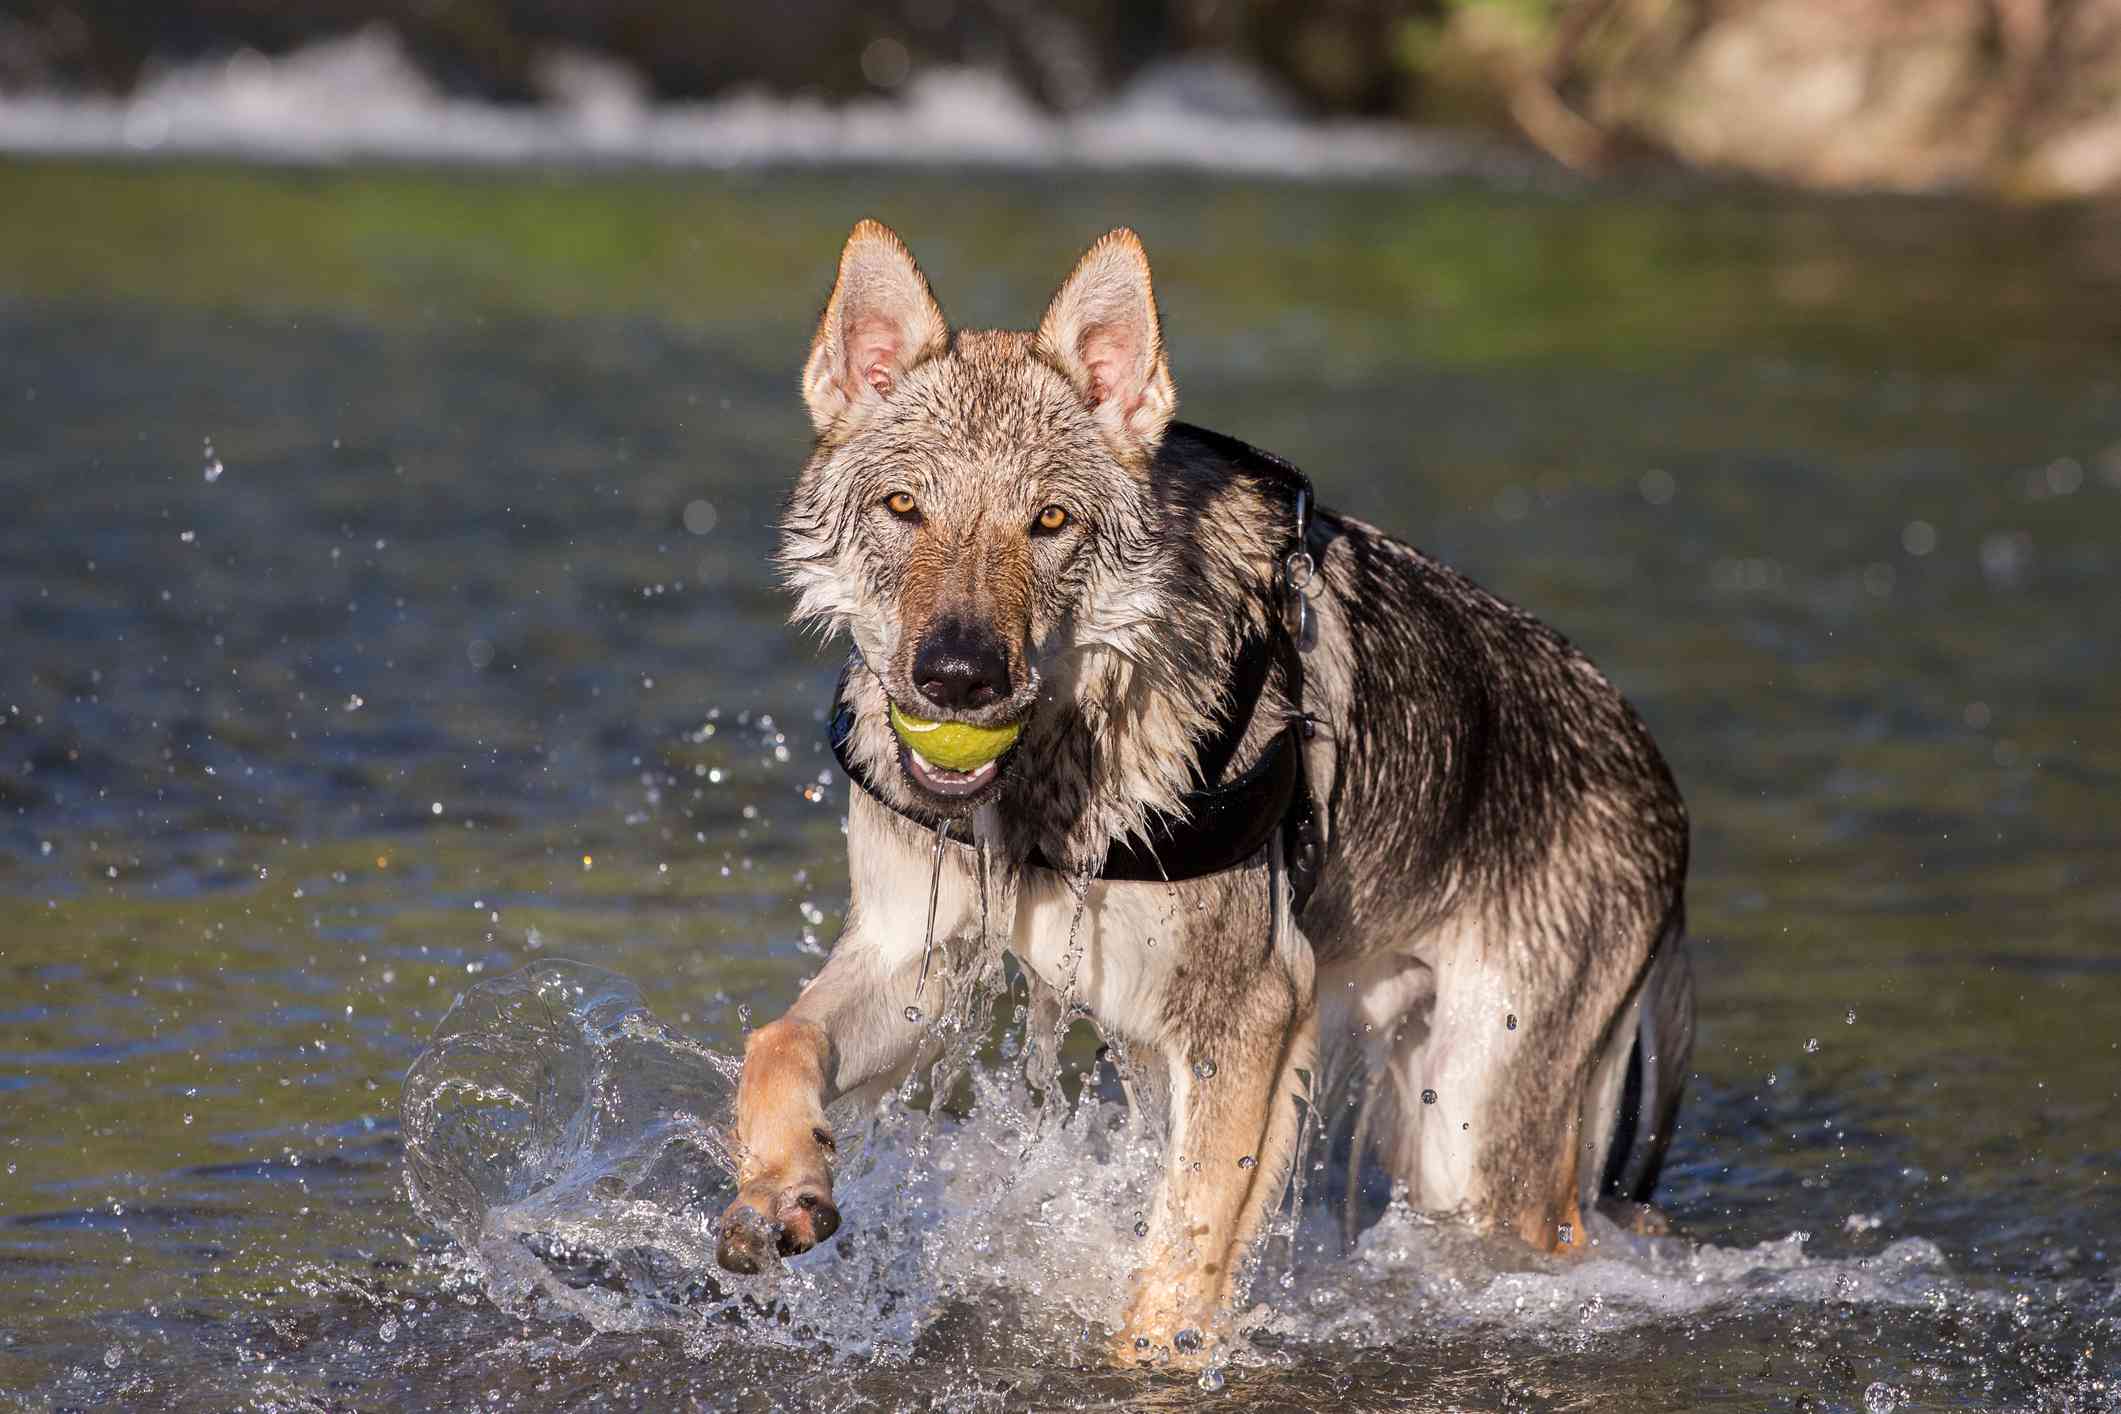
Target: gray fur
[[1504, 840]]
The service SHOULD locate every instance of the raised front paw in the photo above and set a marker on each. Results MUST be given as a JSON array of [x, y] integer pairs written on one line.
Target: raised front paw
[[772, 1218]]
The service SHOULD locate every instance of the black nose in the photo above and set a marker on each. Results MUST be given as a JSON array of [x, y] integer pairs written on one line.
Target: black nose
[[961, 666]]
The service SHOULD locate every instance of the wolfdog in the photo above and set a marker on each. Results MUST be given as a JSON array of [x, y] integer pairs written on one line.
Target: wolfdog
[[1283, 799]]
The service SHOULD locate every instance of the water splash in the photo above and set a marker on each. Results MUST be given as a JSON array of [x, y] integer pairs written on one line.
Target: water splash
[[554, 1128], [578, 1153]]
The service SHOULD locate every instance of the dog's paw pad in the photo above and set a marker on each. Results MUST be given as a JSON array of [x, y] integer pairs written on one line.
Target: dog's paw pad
[[748, 1238]]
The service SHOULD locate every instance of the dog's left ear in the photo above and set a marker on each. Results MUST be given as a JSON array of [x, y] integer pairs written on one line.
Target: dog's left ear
[[1102, 330]]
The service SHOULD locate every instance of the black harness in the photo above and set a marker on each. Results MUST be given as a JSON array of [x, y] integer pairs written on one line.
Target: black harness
[[1223, 823]]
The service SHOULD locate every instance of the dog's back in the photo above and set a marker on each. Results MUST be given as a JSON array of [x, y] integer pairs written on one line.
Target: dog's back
[[1506, 845]]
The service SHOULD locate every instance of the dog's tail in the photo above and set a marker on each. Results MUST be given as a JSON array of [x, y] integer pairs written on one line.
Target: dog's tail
[[1649, 1101]]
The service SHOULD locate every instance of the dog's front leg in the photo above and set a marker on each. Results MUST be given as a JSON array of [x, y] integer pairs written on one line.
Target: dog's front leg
[[846, 1031], [1239, 1075]]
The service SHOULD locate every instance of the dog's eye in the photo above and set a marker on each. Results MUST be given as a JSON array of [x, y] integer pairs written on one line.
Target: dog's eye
[[1050, 519], [901, 504]]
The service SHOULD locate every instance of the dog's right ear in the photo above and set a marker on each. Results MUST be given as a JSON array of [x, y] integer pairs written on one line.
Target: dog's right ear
[[881, 322]]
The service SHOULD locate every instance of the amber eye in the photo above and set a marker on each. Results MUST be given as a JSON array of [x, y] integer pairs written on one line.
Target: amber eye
[[1050, 519], [900, 504]]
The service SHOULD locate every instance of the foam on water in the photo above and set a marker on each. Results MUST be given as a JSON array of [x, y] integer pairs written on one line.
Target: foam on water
[[579, 1154], [361, 97]]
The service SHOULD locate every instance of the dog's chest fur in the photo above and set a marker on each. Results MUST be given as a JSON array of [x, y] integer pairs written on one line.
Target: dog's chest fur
[[1108, 948]]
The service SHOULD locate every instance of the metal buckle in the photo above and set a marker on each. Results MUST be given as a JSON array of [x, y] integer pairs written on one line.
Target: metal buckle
[[1298, 569], [1297, 572]]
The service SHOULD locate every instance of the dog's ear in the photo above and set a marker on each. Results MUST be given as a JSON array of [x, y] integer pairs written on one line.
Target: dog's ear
[[1102, 330], [881, 322]]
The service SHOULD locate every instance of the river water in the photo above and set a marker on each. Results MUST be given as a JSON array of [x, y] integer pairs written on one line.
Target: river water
[[384, 609]]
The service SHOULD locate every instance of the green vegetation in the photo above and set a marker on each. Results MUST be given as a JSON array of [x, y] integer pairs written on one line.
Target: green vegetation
[[1463, 276]]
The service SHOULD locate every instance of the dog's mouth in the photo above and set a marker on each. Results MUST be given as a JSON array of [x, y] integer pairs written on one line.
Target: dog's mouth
[[953, 764], [959, 788]]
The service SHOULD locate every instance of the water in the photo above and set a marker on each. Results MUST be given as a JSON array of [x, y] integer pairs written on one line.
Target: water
[[445, 672], [362, 95]]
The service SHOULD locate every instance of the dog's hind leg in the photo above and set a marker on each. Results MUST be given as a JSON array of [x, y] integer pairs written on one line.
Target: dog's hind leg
[[1657, 1055], [1505, 1111]]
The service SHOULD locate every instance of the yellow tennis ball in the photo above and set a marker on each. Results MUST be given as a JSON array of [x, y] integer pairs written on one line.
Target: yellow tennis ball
[[953, 745]]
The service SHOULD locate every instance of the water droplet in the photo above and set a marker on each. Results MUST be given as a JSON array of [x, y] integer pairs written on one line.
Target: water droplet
[[187, 1116], [213, 467], [1811, 1046], [1509, 1023], [1141, 1342], [1204, 1068], [743, 1014], [1428, 1097], [1246, 1162], [1141, 1227], [113, 1358], [1771, 1077], [1567, 1234], [1852, 1016], [1211, 1379], [388, 1331], [1881, 1398], [913, 1014], [1187, 1340]]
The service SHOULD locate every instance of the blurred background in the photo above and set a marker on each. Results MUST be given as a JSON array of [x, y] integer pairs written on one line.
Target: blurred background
[[396, 402], [2021, 97]]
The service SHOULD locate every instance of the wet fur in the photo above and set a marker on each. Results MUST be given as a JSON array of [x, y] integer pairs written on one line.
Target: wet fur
[[1504, 839]]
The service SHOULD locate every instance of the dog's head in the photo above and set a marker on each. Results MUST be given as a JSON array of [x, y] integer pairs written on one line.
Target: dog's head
[[978, 506]]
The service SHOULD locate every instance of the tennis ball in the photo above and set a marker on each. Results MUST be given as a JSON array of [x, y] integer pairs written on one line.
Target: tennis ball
[[953, 745]]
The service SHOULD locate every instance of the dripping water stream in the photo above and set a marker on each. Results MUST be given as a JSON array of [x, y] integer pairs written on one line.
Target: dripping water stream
[[935, 893]]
